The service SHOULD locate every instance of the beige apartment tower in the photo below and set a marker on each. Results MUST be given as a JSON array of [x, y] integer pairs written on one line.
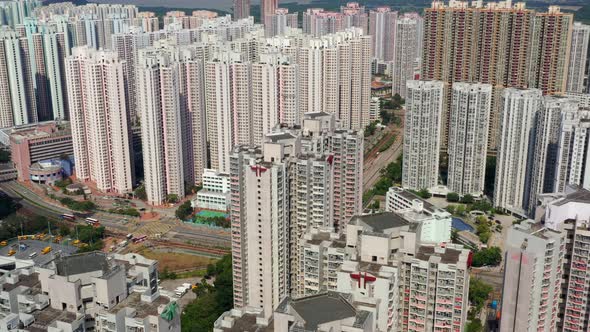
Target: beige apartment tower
[[99, 119]]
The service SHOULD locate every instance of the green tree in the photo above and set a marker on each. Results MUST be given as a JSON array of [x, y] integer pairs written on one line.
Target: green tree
[[460, 210], [7, 206], [451, 208], [63, 183], [4, 156], [424, 193], [487, 257], [397, 101], [370, 129], [171, 198], [483, 230], [140, 192], [474, 326], [184, 210], [467, 199], [481, 205], [90, 234], [375, 205], [200, 314], [478, 293], [452, 197], [64, 230], [385, 117]]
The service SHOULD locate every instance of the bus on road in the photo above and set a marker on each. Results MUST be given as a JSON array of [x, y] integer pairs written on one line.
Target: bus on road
[[69, 217], [92, 221]]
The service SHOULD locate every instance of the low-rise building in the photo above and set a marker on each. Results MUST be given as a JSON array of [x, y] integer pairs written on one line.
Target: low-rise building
[[215, 192], [90, 291], [47, 171], [31, 144], [434, 223]]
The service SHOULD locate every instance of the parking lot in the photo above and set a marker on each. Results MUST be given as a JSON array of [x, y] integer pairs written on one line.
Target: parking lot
[[25, 248], [168, 287]]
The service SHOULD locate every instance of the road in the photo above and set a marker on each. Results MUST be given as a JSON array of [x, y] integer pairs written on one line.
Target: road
[[374, 162], [167, 229]]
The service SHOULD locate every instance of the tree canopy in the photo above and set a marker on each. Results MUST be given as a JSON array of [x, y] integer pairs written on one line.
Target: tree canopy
[[479, 292], [487, 257], [184, 210], [211, 302]]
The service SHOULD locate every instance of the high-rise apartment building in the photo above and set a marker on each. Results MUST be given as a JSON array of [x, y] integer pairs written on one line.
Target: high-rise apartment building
[[436, 277], [468, 137], [14, 12], [512, 47], [218, 111], [147, 21], [577, 74], [382, 27], [260, 227], [17, 96], [281, 20], [47, 49], [550, 50], [267, 10], [573, 154], [546, 164], [334, 75], [245, 100], [346, 147], [301, 184], [171, 94], [354, 15], [546, 262], [321, 253], [532, 278], [241, 9], [100, 125], [424, 106], [515, 157], [406, 51], [319, 22], [194, 21]]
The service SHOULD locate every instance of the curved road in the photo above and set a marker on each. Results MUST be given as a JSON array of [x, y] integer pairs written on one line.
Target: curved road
[[114, 223]]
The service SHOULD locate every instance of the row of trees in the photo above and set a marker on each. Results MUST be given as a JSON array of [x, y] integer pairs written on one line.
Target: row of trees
[[77, 205], [479, 292]]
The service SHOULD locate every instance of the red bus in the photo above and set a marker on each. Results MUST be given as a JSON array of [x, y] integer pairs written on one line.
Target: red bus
[[69, 217]]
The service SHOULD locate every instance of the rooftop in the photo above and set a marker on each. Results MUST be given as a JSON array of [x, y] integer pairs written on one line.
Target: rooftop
[[142, 309], [322, 308], [81, 263], [320, 237], [247, 322], [24, 280], [369, 267], [579, 195], [380, 221], [280, 136], [313, 115], [45, 317], [410, 196], [447, 255]]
